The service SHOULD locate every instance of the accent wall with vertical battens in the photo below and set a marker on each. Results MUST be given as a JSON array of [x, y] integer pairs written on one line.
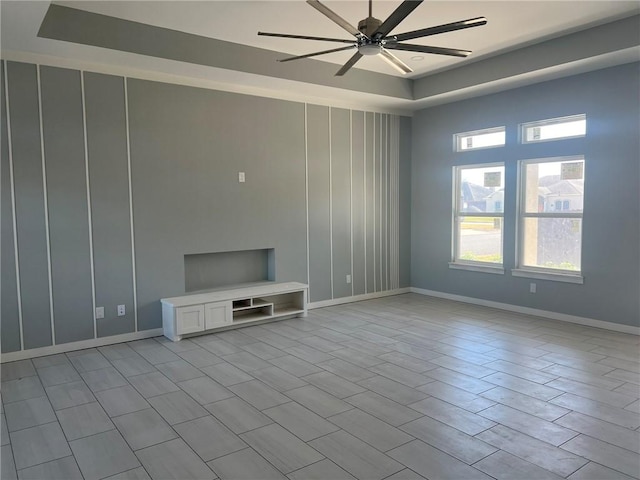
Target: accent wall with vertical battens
[[108, 182]]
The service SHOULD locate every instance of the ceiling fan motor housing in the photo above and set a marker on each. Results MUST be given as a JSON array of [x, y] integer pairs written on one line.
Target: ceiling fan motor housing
[[369, 25]]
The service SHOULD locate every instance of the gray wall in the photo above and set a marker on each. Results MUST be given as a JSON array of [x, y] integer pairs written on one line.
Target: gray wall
[[133, 175], [610, 258]]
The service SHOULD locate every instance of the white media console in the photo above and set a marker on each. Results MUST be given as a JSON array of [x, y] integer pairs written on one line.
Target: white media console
[[222, 309]]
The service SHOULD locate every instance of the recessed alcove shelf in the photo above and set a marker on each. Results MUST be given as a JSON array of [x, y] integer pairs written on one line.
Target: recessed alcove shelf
[[205, 271]]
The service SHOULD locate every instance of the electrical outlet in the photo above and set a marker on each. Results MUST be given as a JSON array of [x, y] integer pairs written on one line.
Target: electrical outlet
[[532, 288], [241, 177], [99, 312], [348, 278], [121, 310]]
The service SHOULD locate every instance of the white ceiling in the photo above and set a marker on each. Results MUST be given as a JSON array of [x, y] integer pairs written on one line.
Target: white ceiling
[[511, 24]]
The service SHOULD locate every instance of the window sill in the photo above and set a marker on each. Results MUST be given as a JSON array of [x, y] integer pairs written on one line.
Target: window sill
[[477, 268], [555, 277]]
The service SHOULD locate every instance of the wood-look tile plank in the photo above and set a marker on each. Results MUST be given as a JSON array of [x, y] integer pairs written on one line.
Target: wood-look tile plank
[[355, 456], [371, 430], [383, 408], [244, 465], [463, 420], [525, 403], [593, 471], [615, 415], [504, 466], [282, 449], [605, 454], [526, 387], [448, 439], [433, 463], [605, 431], [540, 453], [533, 426]]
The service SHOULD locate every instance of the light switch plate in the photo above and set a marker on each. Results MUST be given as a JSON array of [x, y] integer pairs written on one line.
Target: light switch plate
[[241, 177], [99, 312]]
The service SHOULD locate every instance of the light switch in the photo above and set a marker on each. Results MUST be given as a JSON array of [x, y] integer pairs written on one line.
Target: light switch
[[241, 177], [99, 312]]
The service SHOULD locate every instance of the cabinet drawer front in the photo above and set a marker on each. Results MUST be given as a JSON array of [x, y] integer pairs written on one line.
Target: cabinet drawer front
[[190, 319], [217, 314]]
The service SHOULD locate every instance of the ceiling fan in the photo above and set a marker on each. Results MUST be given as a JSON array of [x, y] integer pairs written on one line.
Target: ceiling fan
[[372, 36]]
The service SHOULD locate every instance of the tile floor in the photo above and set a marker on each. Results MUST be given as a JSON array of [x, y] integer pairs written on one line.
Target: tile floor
[[405, 387]]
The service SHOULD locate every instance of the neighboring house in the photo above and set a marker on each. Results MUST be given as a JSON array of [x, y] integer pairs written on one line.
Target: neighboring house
[[495, 201], [555, 195], [563, 195], [474, 197]]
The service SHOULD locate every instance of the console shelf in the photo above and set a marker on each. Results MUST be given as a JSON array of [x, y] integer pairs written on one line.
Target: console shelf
[[207, 312]]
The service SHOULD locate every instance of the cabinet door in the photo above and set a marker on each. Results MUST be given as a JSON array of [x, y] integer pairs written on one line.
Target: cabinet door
[[190, 319], [217, 314]]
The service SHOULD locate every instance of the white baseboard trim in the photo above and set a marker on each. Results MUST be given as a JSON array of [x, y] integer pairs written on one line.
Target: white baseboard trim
[[590, 322], [357, 298], [81, 345]]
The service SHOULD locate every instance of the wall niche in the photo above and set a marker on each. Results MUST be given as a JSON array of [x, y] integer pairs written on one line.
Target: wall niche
[[206, 271]]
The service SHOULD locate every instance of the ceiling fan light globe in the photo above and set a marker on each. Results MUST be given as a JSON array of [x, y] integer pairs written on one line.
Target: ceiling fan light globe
[[369, 50]]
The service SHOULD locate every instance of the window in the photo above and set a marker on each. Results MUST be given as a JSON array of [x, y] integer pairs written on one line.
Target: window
[[478, 215], [554, 129], [487, 138], [551, 207]]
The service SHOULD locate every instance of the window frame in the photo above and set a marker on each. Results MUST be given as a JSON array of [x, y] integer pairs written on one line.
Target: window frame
[[521, 270], [457, 138], [523, 127], [473, 265]]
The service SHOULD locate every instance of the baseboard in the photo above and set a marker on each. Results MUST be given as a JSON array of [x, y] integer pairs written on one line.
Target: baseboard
[[357, 298], [590, 322], [81, 345]]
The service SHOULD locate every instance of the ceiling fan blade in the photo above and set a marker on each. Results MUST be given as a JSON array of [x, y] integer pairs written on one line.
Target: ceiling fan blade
[[304, 37], [298, 57], [454, 52], [394, 61], [334, 17], [448, 27], [396, 17], [347, 66]]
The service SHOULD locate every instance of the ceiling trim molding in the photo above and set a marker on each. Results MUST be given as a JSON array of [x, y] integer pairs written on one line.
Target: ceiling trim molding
[[358, 102], [559, 53], [86, 28], [187, 59]]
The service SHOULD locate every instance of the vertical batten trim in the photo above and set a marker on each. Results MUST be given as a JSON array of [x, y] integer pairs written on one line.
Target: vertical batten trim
[[306, 193], [46, 206], [89, 212], [396, 202], [133, 238], [330, 205], [13, 203], [392, 220], [373, 170], [385, 230], [392, 200], [364, 194], [351, 193], [380, 195]]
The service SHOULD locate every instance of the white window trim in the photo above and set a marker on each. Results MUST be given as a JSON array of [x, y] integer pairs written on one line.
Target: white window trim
[[486, 267], [541, 273], [477, 267], [550, 121], [457, 137], [560, 276]]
